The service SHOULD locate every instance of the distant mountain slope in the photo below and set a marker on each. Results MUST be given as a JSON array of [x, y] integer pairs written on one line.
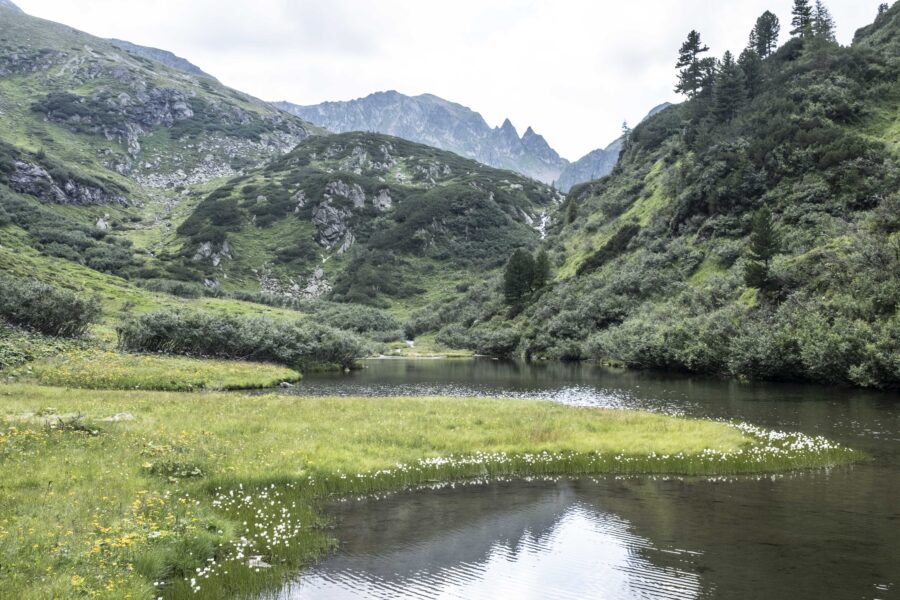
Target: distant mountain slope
[[10, 5], [161, 56], [84, 100], [100, 148], [597, 163], [430, 120], [362, 217]]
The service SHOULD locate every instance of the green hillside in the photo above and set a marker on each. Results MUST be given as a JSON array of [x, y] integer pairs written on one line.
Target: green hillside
[[651, 262], [363, 218]]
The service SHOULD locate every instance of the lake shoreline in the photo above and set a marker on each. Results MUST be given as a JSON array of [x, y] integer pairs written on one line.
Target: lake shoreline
[[211, 461]]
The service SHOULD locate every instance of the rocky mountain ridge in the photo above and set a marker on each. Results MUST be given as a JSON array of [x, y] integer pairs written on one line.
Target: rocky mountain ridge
[[428, 119]]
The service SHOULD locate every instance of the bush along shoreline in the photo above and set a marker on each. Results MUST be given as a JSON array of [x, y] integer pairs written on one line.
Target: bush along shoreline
[[296, 344]]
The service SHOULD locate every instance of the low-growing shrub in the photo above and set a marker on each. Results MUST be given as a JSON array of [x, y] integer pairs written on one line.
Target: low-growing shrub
[[294, 344], [46, 309]]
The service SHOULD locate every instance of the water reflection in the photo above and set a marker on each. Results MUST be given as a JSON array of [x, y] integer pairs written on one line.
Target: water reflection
[[524, 541], [810, 535]]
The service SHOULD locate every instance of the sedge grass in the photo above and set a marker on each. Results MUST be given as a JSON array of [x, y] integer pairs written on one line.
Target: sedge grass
[[96, 369], [216, 495]]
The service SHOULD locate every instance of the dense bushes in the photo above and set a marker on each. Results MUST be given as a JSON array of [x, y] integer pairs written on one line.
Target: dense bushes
[[295, 344], [489, 342], [46, 309]]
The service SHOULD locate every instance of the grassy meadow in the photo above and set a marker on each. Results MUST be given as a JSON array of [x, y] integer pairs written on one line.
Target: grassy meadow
[[96, 369], [141, 494]]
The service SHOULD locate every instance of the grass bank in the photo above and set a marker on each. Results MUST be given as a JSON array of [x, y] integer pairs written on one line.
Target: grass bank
[[95, 369], [217, 494]]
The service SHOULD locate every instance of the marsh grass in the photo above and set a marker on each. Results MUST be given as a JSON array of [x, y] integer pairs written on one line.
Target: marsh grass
[[96, 369], [219, 495]]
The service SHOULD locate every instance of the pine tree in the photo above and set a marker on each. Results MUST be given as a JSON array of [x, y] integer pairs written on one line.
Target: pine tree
[[752, 67], [823, 23], [728, 91], [882, 9], [541, 270], [690, 77], [802, 18], [764, 36], [764, 244], [518, 278]]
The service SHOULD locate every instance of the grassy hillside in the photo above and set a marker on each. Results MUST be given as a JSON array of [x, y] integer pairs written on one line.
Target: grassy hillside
[[651, 262], [363, 218]]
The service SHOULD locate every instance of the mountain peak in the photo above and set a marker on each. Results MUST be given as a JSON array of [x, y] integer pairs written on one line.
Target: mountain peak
[[508, 129], [8, 4], [435, 121]]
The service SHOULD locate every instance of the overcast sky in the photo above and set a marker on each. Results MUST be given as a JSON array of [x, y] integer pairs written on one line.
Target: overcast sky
[[572, 69]]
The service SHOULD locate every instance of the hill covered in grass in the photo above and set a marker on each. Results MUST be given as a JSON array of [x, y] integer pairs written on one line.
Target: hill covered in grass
[[364, 218], [651, 263]]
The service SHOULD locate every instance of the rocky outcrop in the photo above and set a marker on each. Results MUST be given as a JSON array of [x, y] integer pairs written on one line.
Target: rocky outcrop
[[352, 192], [332, 224], [34, 180], [215, 253], [312, 287], [383, 201]]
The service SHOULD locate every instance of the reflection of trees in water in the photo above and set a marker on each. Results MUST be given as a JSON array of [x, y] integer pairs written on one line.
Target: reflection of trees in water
[[809, 535]]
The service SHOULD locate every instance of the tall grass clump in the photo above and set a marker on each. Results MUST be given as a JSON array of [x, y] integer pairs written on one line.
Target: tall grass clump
[[295, 344], [46, 309]]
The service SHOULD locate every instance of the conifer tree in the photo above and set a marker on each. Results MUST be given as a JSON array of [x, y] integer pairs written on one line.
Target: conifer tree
[[752, 68], [764, 36], [802, 19], [518, 278], [882, 9], [764, 245], [691, 75], [823, 23], [728, 91], [541, 270]]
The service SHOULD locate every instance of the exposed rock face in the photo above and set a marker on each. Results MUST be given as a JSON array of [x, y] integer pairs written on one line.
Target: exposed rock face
[[352, 192], [594, 165], [210, 251], [34, 180], [331, 223], [314, 286], [436, 122], [383, 201]]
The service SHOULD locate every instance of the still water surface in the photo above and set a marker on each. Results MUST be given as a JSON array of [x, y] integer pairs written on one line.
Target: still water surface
[[813, 535]]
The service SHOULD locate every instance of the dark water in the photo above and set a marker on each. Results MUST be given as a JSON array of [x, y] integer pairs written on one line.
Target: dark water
[[814, 535]]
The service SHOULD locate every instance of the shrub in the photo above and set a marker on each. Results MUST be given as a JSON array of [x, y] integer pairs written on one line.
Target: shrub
[[294, 344], [46, 309]]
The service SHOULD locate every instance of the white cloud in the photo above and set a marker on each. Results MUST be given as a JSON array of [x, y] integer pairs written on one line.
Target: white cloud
[[572, 69]]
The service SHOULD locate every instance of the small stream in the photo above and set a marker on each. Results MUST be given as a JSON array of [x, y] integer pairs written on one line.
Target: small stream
[[825, 534]]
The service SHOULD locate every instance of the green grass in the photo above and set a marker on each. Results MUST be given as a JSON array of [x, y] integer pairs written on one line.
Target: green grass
[[92, 507], [96, 369]]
